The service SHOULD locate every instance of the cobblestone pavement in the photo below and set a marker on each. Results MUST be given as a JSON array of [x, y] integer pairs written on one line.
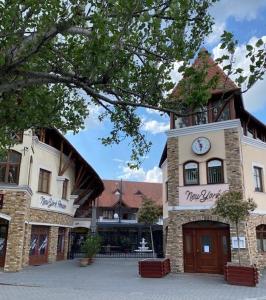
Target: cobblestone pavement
[[108, 279]]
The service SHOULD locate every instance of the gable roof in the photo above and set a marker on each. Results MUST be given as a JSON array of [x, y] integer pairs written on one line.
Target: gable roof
[[132, 193], [224, 83]]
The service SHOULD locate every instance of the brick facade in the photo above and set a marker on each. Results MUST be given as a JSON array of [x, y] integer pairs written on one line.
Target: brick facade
[[177, 218], [17, 212]]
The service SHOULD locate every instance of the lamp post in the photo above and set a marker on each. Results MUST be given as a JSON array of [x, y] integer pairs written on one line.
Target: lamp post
[[118, 193]]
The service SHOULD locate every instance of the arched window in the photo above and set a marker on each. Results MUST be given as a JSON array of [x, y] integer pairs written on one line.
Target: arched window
[[9, 167], [191, 173], [215, 173], [261, 238]]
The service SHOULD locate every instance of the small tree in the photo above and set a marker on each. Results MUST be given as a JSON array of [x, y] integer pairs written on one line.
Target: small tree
[[233, 207], [148, 214]]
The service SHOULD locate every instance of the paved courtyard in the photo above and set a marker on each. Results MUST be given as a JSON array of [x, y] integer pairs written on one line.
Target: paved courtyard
[[116, 279]]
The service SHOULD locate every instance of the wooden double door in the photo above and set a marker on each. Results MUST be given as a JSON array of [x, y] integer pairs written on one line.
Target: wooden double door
[[206, 250], [39, 245]]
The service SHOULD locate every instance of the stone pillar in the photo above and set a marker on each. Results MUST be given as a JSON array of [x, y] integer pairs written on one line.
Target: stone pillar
[[233, 162], [52, 244], [16, 205], [66, 242], [173, 171], [26, 245]]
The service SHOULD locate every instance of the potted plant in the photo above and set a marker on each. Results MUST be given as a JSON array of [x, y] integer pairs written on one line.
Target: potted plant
[[233, 207], [149, 214], [90, 247]]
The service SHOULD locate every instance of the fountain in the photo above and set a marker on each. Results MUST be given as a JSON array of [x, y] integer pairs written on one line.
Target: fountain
[[143, 247]]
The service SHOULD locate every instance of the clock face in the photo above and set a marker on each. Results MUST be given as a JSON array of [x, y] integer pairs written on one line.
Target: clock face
[[201, 145]]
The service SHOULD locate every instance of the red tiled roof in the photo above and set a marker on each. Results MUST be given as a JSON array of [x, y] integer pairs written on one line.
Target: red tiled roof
[[224, 82], [132, 192]]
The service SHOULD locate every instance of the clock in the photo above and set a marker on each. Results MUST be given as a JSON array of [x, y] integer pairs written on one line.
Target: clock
[[201, 145]]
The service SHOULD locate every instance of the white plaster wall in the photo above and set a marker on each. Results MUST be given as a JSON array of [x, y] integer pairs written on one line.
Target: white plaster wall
[[185, 152], [48, 158], [254, 156]]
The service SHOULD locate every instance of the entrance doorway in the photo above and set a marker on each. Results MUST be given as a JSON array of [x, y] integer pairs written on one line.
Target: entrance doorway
[[39, 245], [3, 242], [206, 247]]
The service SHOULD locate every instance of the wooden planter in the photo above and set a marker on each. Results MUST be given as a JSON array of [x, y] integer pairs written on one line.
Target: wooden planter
[[154, 268], [241, 275]]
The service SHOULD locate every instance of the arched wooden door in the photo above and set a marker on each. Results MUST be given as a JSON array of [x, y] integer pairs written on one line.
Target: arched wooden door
[[206, 247]]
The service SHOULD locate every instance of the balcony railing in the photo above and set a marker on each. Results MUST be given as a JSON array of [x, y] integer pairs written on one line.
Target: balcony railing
[[125, 221]]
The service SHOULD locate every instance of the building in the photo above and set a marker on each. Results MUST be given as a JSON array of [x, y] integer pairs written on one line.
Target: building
[[220, 148], [115, 216], [43, 180]]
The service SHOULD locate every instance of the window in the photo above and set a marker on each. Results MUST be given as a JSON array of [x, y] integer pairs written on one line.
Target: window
[[44, 181], [261, 238], [258, 179], [9, 167], [65, 187], [215, 171], [191, 173]]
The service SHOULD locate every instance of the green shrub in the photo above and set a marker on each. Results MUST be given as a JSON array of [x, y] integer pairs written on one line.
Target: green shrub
[[91, 245]]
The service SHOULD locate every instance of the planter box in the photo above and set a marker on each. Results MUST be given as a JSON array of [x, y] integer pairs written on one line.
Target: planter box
[[154, 268], [241, 275]]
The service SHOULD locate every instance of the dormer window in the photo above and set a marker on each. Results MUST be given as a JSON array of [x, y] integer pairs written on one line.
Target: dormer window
[[9, 168], [191, 173]]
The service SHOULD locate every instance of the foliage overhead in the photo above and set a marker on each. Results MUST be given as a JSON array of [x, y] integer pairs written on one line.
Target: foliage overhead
[[58, 58], [149, 212], [233, 207]]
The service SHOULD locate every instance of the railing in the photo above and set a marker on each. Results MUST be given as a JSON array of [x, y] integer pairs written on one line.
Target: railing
[[124, 221]]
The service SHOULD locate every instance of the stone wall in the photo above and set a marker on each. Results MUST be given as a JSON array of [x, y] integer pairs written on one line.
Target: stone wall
[[233, 161], [52, 244], [15, 205], [257, 257], [173, 171], [43, 216]]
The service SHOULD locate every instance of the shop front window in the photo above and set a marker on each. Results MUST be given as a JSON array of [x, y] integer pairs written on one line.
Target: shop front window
[[9, 167]]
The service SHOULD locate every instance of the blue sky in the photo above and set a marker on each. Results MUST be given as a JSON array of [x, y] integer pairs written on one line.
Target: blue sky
[[247, 20]]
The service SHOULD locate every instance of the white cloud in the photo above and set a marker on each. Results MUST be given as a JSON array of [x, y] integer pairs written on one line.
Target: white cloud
[[240, 10], [217, 30], [174, 74], [92, 120], [255, 98], [152, 175], [155, 127]]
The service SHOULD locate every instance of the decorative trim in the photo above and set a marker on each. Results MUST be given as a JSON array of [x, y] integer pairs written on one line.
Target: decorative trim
[[189, 207], [51, 211], [61, 178], [49, 224], [17, 188], [4, 216], [253, 142], [204, 128]]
